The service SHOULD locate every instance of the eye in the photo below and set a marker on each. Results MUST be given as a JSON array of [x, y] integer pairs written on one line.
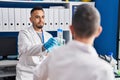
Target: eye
[[43, 16], [37, 16]]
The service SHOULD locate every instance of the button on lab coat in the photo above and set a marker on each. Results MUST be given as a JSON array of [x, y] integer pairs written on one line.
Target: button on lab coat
[[30, 50], [74, 61]]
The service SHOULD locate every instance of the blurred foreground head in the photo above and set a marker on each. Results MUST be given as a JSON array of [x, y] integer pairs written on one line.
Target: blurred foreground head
[[86, 22]]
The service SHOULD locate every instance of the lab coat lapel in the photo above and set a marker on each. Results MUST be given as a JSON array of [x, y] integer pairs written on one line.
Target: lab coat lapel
[[35, 36]]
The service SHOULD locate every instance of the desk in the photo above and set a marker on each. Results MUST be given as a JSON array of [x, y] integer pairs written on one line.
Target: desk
[[117, 78], [7, 68], [4, 63]]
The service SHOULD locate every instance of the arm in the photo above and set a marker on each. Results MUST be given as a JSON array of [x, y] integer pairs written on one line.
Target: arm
[[25, 46], [41, 71]]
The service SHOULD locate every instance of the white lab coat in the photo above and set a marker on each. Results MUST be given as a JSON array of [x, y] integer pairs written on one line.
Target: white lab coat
[[74, 61], [30, 50]]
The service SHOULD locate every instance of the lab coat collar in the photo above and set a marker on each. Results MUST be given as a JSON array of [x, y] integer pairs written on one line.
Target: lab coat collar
[[84, 47], [35, 35]]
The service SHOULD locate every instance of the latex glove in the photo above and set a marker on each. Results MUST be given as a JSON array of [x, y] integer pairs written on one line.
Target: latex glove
[[50, 44]]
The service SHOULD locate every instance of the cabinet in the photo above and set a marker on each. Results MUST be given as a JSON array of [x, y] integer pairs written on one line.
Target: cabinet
[[15, 15], [7, 68]]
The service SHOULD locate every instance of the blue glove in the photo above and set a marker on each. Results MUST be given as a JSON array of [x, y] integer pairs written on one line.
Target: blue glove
[[50, 44]]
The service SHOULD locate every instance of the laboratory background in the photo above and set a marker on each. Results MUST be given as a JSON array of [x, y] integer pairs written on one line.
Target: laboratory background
[[14, 16]]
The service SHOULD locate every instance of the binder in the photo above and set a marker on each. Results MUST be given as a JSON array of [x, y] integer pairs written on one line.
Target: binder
[[23, 18], [56, 19], [55, 14], [17, 19], [46, 25], [1, 20], [11, 23], [61, 19], [5, 19], [50, 19], [67, 19], [28, 15]]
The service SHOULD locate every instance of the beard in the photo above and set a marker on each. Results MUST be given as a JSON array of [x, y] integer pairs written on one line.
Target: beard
[[39, 27]]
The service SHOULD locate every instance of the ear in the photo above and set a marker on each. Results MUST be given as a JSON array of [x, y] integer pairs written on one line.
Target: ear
[[72, 29], [99, 31], [30, 19]]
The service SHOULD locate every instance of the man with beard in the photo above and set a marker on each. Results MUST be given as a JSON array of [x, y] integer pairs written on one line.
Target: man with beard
[[32, 43]]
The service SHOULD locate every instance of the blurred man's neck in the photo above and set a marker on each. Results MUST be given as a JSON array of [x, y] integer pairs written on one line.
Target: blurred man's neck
[[86, 41]]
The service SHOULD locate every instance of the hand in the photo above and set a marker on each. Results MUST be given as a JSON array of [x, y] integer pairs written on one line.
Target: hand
[[60, 41], [50, 44]]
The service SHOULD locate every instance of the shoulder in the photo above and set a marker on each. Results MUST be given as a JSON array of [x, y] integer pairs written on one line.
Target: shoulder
[[104, 67], [27, 30], [101, 69], [47, 33], [106, 71]]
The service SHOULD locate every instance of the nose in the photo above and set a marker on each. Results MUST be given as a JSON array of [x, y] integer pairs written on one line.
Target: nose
[[40, 19]]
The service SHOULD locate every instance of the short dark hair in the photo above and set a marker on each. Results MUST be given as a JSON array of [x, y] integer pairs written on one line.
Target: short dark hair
[[85, 20], [36, 8]]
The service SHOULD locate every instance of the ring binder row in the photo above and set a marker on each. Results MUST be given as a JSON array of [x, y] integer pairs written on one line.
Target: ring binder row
[[15, 19], [56, 18]]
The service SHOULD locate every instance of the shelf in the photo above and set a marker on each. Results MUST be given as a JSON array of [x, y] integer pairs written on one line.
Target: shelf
[[7, 74], [7, 63], [7, 68]]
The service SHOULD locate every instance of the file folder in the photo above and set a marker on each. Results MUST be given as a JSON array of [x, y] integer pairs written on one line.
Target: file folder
[[23, 18], [5, 19], [28, 15], [17, 19], [0, 19], [46, 25], [50, 19], [61, 19], [11, 23], [67, 19], [56, 19]]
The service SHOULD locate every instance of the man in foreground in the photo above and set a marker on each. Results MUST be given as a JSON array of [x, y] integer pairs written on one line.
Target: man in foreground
[[78, 60]]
